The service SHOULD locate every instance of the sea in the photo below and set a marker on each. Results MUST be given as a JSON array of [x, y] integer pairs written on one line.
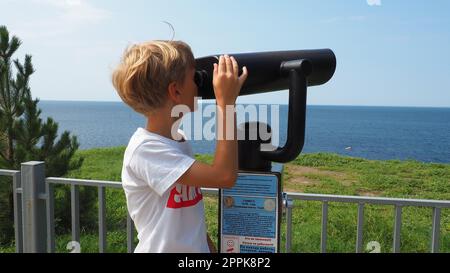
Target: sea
[[381, 133]]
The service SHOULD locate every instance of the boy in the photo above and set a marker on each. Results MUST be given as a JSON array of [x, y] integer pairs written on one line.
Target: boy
[[160, 176]]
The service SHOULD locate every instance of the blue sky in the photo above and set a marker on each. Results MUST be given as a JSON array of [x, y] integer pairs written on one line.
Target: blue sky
[[389, 52]]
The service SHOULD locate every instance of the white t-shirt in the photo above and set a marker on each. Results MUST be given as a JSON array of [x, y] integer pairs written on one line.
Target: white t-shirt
[[169, 217]]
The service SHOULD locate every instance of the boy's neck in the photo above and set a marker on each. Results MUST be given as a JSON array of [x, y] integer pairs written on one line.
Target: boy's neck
[[161, 123]]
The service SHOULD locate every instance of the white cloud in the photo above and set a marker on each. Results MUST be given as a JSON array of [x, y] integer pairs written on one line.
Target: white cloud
[[374, 2]]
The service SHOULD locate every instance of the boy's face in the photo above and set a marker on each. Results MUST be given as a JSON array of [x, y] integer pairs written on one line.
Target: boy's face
[[189, 90]]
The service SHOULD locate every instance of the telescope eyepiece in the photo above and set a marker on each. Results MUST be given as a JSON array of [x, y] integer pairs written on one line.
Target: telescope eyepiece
[[200, 77]]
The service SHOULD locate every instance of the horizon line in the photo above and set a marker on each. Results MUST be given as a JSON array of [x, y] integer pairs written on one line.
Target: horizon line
[[210, 101]]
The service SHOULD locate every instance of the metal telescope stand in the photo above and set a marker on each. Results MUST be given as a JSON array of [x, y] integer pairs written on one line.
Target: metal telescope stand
[[250, 212]]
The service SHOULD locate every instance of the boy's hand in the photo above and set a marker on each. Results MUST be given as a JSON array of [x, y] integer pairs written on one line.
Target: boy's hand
[[226, 81], [222, 173]]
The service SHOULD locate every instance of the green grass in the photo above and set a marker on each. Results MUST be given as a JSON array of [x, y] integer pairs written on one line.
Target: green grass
[[334, 174], [311, 173]]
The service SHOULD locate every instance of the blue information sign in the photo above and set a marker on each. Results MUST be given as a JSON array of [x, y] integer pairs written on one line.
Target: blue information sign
[[249, 215]]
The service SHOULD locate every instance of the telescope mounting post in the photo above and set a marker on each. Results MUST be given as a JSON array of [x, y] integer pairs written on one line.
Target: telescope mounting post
[[251, 157]]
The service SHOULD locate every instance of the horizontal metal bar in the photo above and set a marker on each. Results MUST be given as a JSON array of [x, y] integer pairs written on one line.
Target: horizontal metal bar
[[356, 199], [83, 182], [8, 172], [292, 195], [210, 191], [369, 200], [103, 183]]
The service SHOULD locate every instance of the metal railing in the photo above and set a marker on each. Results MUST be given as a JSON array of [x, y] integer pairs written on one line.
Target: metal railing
[[75, 211], [17, 199], [35, 226], [34, 198], [398, 203]]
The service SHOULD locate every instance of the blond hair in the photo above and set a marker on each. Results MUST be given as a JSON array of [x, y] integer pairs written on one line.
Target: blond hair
[[146, 70]]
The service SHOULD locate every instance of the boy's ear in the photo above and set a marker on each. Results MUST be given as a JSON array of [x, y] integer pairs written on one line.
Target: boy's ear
[[174, 93]]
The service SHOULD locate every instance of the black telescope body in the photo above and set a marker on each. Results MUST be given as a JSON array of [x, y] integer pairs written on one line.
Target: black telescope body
[[265, 73]]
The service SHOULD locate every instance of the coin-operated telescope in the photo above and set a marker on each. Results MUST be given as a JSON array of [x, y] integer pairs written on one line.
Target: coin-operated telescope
[[249, 213]]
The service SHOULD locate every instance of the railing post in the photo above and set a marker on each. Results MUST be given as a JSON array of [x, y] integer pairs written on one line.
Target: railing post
[[397, 228], [359, 229], [34, 207], [18, 225], [101, 220], [323, 237], [436, 228], [288, 204], [75, 208], [50, 218], [130, 234]]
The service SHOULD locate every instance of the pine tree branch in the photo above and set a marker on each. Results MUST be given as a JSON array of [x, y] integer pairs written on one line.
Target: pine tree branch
[[2, 84], [7, 80], [3, 156], [3, 140]]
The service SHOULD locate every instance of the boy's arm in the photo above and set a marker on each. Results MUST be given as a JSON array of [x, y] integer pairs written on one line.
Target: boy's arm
[[223, 172]]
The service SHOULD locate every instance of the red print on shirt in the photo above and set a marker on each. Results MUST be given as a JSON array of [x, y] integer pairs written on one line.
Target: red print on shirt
[[182, 196]]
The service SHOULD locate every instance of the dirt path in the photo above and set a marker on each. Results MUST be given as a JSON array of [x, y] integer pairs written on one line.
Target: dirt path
[[299, 177]]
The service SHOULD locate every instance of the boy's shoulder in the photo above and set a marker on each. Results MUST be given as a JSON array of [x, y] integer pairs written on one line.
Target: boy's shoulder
[[143, 140], [141, 137]]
